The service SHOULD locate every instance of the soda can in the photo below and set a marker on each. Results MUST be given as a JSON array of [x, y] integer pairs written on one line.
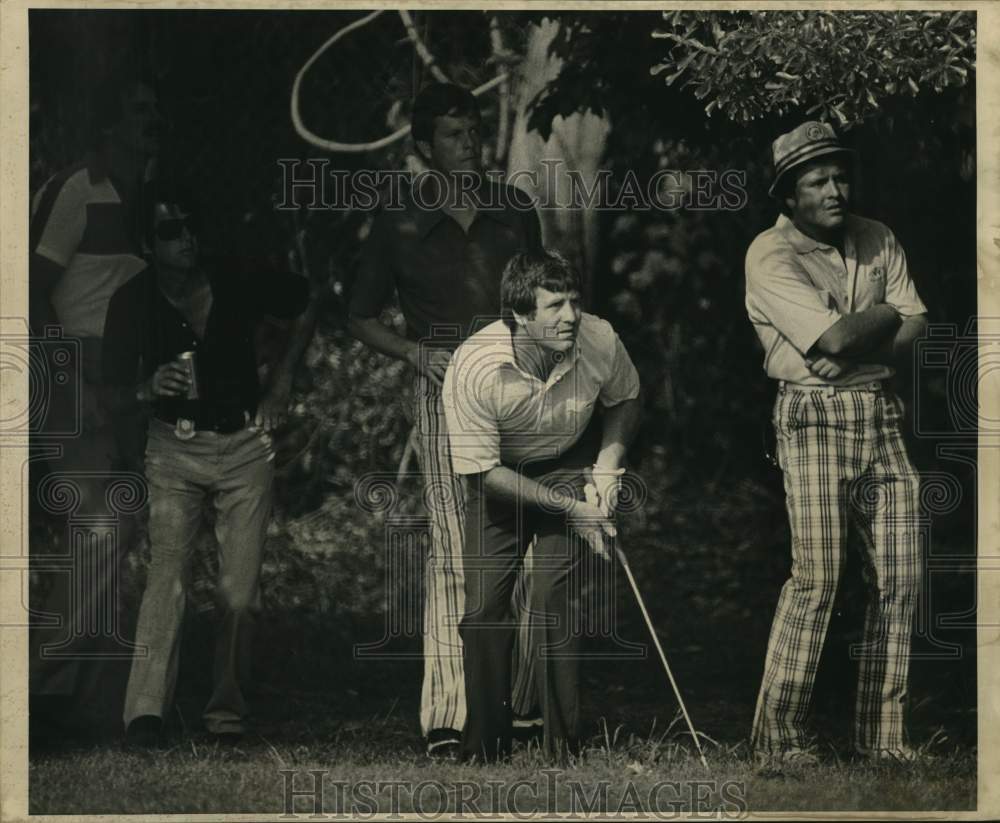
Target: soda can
[[187, 358], [184, 430]]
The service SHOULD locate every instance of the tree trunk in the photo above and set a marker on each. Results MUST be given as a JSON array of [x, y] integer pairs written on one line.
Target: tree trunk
[[577, 144]]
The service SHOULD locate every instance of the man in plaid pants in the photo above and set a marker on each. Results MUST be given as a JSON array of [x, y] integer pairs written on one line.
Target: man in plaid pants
[[832, 302]]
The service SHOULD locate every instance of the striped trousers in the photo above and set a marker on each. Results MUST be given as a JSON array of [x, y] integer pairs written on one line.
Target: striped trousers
[[844, 461], [442, 698]]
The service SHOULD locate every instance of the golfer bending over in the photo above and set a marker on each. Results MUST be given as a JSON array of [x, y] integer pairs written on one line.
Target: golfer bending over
[[519, 398]]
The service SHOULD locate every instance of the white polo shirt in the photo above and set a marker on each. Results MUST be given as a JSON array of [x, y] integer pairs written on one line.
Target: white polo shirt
[[798, 287], [498, 413]]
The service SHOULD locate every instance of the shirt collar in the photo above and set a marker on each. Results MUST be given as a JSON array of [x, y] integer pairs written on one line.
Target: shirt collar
[[426, 219], [497, 209], [802, 243], [504, 349]]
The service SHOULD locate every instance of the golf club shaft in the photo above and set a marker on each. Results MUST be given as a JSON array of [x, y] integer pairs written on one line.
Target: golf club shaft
[[659, 648]]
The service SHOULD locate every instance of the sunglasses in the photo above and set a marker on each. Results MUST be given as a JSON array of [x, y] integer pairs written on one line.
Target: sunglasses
[[173, 228]]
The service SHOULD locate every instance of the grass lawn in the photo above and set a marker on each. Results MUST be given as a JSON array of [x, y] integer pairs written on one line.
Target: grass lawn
[[371, 769], [319, 707]]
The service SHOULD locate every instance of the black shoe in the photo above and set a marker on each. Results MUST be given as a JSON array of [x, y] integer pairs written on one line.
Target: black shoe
[[527, 728], [444, 744], [145, 732]]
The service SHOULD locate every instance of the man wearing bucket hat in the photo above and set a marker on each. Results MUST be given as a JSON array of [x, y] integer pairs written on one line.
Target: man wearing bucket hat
[[832, 302]]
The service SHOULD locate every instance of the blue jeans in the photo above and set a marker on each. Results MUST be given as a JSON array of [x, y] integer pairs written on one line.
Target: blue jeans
[[236, 471]]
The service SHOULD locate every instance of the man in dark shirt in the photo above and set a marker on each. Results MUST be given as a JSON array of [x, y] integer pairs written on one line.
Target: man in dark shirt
[[443, 253], [201, 444]]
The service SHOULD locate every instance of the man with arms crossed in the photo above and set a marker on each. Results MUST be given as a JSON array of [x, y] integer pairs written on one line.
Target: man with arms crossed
[[833, 304], [519, 398], [443, 253], [206, 445]]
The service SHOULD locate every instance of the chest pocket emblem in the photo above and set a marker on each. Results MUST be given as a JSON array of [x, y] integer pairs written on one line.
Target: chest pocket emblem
[[877, 274]]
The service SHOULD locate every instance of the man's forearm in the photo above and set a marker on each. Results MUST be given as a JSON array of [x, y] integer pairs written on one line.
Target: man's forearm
[[511, 487], [621, 423], [860, 332], [896, 350], [40, 312], [299, 335], [43, 275], [375, 334]]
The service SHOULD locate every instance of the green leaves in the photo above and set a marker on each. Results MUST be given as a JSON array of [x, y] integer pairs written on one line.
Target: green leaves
[[840, 66]]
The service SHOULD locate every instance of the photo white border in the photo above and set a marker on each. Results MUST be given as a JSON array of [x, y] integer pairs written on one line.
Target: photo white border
[[14, 302]]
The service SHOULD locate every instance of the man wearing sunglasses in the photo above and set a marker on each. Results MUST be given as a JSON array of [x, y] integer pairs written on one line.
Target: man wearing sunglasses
[[202, 446]]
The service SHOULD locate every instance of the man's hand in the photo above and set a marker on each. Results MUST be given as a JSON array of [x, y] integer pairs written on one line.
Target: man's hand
[[828, 367], [588, 519], [169, 380], [607, 483], [272, 410], [263, 435], [430, 362]]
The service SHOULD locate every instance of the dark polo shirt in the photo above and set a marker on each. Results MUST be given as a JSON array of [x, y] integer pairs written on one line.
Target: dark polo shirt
[[448, 280], [144, 330]]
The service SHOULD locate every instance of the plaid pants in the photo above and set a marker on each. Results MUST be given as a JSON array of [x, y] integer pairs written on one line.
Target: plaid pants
[[843, 457], [442, 698]]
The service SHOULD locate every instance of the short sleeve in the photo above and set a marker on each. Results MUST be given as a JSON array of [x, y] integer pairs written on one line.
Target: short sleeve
[[469, 409], [375, 279], [900, 292], [59, 218], [623, 381], [782, 291]]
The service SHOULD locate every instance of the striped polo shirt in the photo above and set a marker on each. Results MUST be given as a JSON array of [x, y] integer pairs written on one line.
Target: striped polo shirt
[[78, 222], [497, 413]]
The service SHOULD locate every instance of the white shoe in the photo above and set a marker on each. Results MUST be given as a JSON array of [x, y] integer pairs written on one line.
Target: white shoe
[[795, 757], [897, 754]]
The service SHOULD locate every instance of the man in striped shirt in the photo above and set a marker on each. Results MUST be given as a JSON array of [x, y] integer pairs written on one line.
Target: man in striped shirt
[[83, 247]]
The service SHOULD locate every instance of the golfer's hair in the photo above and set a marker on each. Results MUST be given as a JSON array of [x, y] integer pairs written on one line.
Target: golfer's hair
[[529, 270], [438, 100], [107, 102]]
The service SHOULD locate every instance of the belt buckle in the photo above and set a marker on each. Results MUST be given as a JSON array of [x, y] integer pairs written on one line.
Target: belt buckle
[[184, 429]]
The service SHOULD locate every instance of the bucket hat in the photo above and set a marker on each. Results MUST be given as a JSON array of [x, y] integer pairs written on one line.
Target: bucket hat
[[806, 142]]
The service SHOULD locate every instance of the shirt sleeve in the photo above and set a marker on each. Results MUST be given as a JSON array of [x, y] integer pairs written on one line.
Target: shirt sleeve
[[375, 279], [469, 410], [782, 291], [623, 381], [120, 345], [900, 292], [58, 222]]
